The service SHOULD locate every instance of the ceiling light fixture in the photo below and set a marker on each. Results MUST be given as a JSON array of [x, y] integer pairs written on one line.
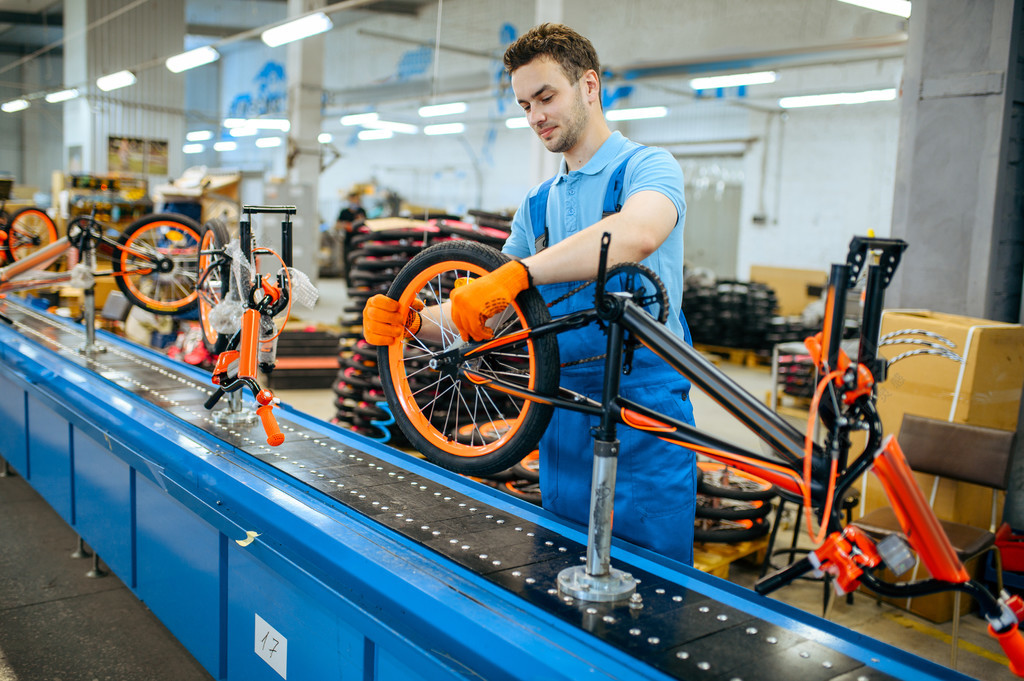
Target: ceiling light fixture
[[900, 8], [733, 80], [380, 134], [114, 81], [14, 105], [444, 129], [192, 148], [325, 138], [637, 114], [304, 27], [838, 98], [393, 126], [268, 142], [360, 118], [225, 146], [191, 59], [244, 131], [517, 122], [199, 135], [62, 95], [443, 109]]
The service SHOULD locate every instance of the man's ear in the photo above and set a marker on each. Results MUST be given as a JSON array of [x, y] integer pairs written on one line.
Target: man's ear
[[592, 86]]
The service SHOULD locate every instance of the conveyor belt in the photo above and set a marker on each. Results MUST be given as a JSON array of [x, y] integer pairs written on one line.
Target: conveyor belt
[[677, 630]]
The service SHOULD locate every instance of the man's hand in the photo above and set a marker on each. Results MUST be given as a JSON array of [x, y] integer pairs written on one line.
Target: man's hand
[[385, 323], [480, 299]]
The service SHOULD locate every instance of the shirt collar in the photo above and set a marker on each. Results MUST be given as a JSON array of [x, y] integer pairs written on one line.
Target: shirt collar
[[605, 155]]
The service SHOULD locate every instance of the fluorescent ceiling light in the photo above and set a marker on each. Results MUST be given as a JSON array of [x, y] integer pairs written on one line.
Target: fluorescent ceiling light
[[900, 8], [445, 129], [838, 98], [359, 119], [297, 30], [62, 95], [14, 105], [114, 81], [734, 80], [192, 148], [517, 122], [393, 126], [325, 138], [267, 142], [282, 124], [244, 131], [636, 114], [443, 109], [225, 146], [191, 59], [381, 134], [199, 135]]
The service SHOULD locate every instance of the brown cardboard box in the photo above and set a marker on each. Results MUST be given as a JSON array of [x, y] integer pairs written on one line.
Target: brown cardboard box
[[794, 289], [984, 391]]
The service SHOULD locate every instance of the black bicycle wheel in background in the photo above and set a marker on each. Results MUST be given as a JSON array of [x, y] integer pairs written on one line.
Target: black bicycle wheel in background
[[729, 531], [214, 282], [157, 263], [432, 405]]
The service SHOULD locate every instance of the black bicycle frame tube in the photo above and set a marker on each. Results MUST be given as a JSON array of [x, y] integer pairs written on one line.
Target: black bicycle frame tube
[[783, 438]]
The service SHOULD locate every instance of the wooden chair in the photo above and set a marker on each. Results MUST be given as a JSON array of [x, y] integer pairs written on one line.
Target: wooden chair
[[957, 452]]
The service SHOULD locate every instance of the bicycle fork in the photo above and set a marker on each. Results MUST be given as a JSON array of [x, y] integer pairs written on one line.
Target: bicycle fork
[[247, 340]]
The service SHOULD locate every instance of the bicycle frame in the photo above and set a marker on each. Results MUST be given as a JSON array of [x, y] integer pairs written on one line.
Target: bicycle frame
[[849, 386]]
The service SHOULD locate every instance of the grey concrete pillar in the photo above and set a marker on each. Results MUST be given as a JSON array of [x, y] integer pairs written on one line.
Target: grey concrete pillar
[[958, 182]]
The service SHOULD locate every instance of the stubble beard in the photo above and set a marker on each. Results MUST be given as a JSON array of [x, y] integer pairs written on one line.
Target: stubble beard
[[573, 128]]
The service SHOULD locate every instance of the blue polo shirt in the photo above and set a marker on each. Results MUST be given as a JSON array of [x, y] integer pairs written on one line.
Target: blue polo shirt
[[576, 201]]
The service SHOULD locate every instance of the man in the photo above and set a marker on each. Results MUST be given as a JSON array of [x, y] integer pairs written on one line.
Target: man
[[350, 218], [555, 75]]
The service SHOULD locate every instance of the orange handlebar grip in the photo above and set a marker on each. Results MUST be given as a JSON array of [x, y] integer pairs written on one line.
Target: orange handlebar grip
[[274, 434], [1013, 645]]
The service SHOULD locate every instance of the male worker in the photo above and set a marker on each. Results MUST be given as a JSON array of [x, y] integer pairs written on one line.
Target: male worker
[[556, 79]]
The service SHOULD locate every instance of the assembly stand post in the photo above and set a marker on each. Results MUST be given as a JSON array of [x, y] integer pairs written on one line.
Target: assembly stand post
[[597, 580], [89, 306], [234, 414]]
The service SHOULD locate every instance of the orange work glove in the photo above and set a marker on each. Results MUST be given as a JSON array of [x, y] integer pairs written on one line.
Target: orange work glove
[[480, 299], [384, 323]]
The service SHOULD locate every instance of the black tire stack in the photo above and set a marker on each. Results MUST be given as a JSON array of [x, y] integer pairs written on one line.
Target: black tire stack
[[735, 314], [376, 257], [732, 507]]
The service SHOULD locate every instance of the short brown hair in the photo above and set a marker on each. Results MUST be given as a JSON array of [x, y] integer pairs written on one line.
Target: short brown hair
[[573, 53]]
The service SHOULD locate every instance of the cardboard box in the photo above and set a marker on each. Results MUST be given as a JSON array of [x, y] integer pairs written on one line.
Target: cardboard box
[[984, 390], [794, 289]]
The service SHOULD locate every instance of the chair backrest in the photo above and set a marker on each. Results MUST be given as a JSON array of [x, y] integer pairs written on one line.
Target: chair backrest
[[957, 451]]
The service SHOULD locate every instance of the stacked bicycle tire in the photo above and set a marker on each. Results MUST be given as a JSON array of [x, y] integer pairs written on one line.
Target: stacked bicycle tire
[[378, 253], [732, 506], [734, 314]]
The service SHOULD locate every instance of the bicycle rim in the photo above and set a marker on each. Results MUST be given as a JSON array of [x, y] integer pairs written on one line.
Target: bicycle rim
[[213, 286], [29, 230], [463, 426], [158, 262]]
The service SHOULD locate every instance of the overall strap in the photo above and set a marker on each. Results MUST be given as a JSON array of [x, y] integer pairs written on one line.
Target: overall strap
[[539, 215], [613, 195]]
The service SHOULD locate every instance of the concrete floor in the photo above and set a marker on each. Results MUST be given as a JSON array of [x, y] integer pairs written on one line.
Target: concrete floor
[[57, 624]]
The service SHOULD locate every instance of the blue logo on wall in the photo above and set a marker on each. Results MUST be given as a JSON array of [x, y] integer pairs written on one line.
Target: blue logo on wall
[[270, 96]]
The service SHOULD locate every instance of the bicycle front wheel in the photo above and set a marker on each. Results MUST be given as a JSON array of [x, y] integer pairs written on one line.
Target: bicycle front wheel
[[214, 282], [467, 427], [157, 260], [29, 230]]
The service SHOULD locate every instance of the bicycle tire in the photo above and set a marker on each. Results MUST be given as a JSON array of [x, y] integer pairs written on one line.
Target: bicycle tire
[[213, 285], [739, 485], [29, 230], [730, 531], [416, 411], [719, 509], [157, 261]]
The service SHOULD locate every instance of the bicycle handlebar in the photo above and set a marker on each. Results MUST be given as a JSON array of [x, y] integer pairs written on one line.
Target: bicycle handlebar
[[781, 578]]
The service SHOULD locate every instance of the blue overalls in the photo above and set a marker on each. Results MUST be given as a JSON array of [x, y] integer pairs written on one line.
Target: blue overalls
[[655, 493]]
